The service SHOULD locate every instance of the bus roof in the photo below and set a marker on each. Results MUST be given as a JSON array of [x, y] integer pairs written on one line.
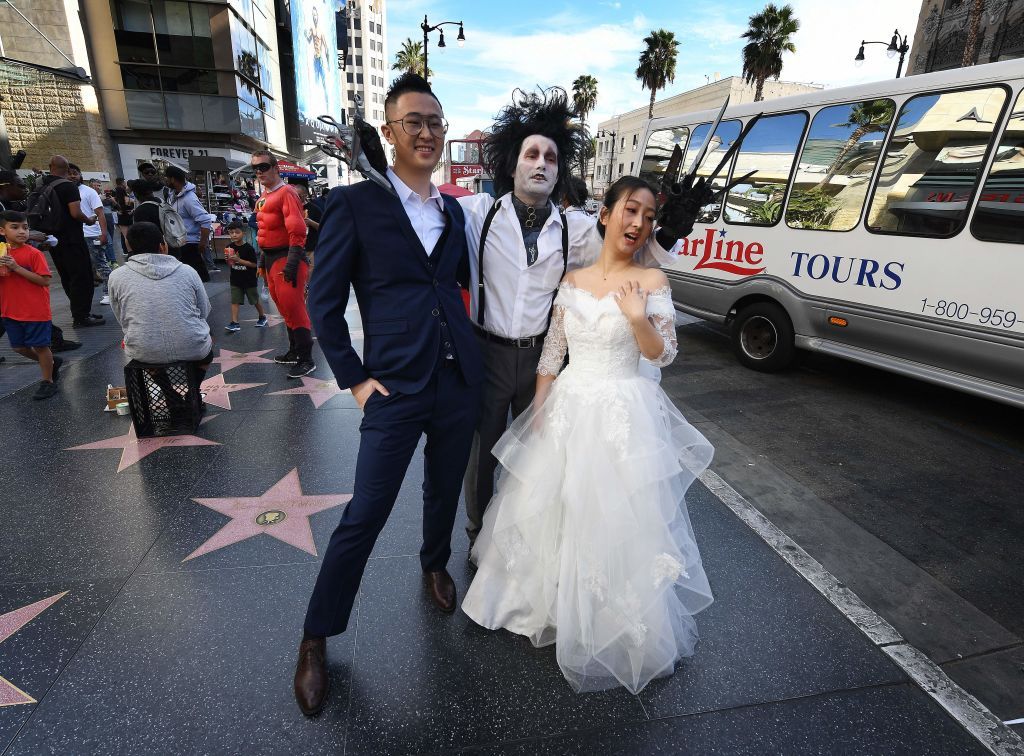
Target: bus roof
[[959, 77]]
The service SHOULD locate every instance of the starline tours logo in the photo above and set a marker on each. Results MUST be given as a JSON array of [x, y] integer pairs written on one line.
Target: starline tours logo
[[733, 256]]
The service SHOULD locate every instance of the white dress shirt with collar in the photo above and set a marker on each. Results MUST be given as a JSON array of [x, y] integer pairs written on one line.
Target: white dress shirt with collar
[[519, 296], [426, 216]]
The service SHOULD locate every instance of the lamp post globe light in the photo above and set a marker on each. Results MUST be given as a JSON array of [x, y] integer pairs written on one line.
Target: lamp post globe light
[[898, 45], [427, 28]]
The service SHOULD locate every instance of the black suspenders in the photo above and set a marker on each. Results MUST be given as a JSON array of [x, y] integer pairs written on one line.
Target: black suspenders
[[481, 290]]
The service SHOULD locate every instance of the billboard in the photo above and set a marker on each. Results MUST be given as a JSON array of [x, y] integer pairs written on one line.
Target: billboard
[[317, 78]]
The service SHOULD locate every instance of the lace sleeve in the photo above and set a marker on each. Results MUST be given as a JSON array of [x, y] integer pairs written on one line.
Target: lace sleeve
[[552, 356], [663, 316]]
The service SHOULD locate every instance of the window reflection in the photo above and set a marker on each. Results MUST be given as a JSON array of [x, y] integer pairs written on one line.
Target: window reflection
[[769, 150], [999, 215], [721, 141], [933, 162], [660, 145]]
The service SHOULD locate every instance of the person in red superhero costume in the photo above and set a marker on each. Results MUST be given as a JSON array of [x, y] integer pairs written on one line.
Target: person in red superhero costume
[[281, 236]]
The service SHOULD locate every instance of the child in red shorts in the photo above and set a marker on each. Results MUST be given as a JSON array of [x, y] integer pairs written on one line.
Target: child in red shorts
[[25, 300]]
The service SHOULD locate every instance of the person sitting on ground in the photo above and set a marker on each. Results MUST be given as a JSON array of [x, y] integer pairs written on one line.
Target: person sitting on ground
[[25, 300], [242, 259], [160, 303]]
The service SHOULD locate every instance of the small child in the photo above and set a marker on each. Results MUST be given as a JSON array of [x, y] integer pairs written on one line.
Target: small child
[[25, 300], [242, 259]]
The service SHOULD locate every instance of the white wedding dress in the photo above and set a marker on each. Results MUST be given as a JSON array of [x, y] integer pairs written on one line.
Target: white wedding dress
[[587, 543]]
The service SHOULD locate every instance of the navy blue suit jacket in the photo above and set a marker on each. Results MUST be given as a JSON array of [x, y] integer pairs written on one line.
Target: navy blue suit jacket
[[367, 242]]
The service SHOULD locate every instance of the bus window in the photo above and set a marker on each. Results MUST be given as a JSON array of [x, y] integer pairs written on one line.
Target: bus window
[[999, 215], [836, 165], [722, 140], [933, 162], [659, 150], [770, 149]]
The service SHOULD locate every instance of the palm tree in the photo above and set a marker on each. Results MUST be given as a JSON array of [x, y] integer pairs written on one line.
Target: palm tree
[[410, 58], [868, 117], [584, 98], [770, 33], [657, 63], [973, 27]]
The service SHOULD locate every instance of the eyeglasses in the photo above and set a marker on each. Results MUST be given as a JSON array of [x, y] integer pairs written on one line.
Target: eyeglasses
[[262, 167], [413, 125]]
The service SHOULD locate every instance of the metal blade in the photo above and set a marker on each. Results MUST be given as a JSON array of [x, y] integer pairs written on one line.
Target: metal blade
[[675, 163], [707, 142], [734, 147]]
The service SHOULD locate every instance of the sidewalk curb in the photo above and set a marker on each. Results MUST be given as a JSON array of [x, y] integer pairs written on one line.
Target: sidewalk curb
[[967, 710]]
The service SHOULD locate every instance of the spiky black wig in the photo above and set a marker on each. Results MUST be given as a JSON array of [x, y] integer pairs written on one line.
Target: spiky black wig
[[547, 113]]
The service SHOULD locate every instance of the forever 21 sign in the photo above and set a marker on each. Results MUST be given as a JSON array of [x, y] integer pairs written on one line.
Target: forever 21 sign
[[177, 152]]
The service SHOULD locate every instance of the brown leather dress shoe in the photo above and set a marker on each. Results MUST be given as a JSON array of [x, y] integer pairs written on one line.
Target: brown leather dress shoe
[[311, 680], [441, 589]]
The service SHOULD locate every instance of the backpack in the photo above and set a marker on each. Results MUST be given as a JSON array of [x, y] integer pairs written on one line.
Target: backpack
[[45, 212], [171, 224]]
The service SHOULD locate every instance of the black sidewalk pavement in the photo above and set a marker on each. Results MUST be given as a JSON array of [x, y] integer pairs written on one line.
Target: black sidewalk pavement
[[152, 595]]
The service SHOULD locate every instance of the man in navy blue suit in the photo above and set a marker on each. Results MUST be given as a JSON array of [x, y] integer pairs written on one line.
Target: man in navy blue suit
[[421, 367]]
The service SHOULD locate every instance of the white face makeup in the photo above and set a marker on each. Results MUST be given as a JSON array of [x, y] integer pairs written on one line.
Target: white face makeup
[[537, 170]]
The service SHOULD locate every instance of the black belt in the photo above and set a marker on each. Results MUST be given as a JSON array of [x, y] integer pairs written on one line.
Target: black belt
[[526, 342]]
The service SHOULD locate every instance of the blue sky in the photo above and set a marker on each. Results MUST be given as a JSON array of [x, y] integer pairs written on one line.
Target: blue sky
[[525, 43]]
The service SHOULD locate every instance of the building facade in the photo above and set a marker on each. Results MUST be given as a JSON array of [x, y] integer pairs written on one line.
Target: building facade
[[943, 26], [619, 151], [365, 56]]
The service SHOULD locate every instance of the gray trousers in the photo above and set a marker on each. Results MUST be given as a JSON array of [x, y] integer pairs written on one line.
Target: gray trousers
[[510, 380]]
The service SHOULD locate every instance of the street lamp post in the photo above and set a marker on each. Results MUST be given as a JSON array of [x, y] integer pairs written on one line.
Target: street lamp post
[[897, 45], [427, 28]]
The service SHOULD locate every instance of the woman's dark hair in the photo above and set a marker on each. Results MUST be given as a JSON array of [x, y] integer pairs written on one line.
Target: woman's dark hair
[[144, 238], [624, 187], [548, 114]]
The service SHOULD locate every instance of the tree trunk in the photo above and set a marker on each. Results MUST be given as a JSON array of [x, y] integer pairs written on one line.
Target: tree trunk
[[650, 110], [583, 156], [833, 169], [973, 27], [759, 89]]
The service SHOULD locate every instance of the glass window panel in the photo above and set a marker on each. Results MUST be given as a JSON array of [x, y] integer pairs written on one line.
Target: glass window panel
[[184, 111], [141, 77], [201, 20], [198, 80], [132, 16], [933, 162], [769, 150], [172, 18], [133, 31], [999, 215], [221, 114], [659, 150], [145, 110], [252, 122], [724, 136], [837, 163]]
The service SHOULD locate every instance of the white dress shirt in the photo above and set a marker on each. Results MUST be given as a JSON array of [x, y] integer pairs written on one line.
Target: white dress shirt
[[425, 215], [519, 296]]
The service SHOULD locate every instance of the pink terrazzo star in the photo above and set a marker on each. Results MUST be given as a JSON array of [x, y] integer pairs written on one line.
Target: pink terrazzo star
[[136, 448], [10, 623], [318, 390], [282, 512], [228, 359], [216, 391]]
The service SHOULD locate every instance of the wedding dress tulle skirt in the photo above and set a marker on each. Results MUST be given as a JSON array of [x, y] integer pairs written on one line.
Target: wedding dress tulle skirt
[[587, 543]]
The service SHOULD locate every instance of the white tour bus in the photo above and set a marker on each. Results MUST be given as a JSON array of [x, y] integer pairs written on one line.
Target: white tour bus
[[885, 225]]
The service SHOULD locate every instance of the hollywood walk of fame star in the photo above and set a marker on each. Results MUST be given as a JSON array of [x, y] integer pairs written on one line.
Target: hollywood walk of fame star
[[216, 391], [136, 448], [228, 359], [319, 391], [10, 623], [282, 512]]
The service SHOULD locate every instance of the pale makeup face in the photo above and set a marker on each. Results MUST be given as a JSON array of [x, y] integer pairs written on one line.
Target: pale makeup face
[[630, 222], [536, 170]]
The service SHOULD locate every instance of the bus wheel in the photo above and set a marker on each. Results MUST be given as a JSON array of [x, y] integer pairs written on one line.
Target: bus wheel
[[762, 337]]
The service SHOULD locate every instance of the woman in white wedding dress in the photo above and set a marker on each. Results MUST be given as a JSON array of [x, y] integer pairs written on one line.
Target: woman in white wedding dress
[[587, 543]]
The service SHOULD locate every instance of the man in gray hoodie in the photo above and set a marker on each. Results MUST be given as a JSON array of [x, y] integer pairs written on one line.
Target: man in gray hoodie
[[198, 222], [160, 303]]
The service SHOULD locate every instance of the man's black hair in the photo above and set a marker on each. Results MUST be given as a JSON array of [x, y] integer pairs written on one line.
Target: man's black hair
[[235, 226], [407, 82], [144, 238], [145, 166], [12, 216], [73, 167], [141, 185], [176, 173], [548, 113]]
